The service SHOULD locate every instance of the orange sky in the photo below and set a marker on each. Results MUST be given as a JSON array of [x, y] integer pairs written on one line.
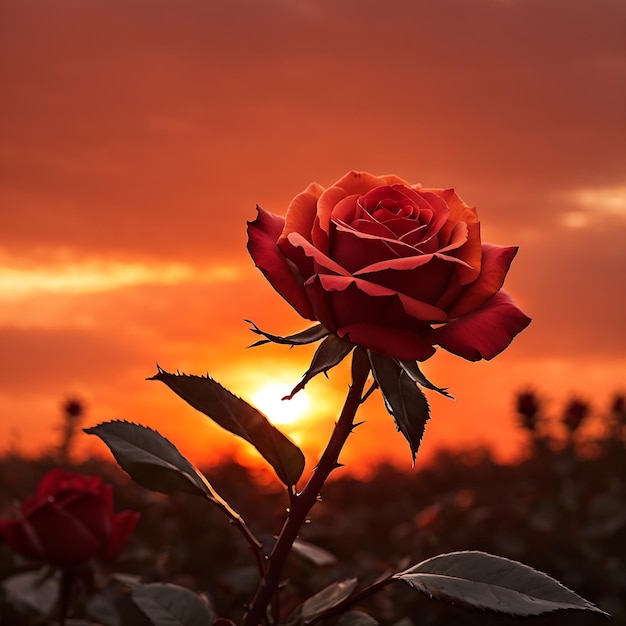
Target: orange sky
[[136, 137]]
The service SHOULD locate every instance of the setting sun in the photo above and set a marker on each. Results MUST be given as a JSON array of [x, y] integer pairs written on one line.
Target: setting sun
[[269, 400]]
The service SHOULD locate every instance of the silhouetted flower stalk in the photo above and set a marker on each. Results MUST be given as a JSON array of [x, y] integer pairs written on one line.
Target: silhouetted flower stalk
[[73, 410], [529, 408], [617, 418], [65, 594], [302, 503], [576, 413]]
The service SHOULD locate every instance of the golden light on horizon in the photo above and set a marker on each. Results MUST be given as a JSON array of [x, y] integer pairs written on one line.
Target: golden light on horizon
[[269, 400]]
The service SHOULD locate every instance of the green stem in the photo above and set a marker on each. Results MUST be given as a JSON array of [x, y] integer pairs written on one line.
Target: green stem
[[65, 592], [303, 502], [242, 527]]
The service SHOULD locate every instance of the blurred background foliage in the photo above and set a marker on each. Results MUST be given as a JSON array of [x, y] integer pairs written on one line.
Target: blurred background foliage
[[560, 509]]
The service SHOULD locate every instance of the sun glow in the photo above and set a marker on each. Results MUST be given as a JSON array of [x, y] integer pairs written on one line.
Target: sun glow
[[268, 399]]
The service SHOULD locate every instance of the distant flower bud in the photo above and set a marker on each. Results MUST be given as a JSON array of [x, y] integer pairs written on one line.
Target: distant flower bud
[[528, 406], [575, 414]]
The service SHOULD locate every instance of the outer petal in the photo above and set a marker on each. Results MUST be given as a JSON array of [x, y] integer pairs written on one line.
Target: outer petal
[[21, 538], [415, 310], [123, 525], [360, 182], [460, 212], [392, 179], [397, 343], [60, 480], [93, 512], [355, 250], [64, 538], [484, 333], [263, 234], [425, 281], [325, 205], [301, 212], [321, 261], [495, 265]]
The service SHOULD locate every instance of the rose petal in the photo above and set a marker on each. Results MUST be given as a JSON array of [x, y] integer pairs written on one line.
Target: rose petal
[[418, 311], [440, 209], [301, 212], [355, 250], [484, 333], [20, 537], [458, 237], [364, 226], [392, 179], [347, 209], [320, 303], [94, 511], [123, 525], [423, 278], [401, 344], [408, 263], [51, 483], [393, 195], [319, 258], [359, 182], [64, 539], [263, 234], [495, 265], [471, 252], [325, 206]]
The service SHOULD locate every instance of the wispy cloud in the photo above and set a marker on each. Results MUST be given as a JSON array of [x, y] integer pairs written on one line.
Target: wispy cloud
[[99, 276]]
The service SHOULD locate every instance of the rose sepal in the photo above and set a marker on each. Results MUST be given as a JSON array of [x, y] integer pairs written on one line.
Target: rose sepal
[[301, 338], [412, 370], [404, 400], [329, 353]]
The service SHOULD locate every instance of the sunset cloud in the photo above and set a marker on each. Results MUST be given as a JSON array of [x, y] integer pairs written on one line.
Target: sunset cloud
[[137, 139]]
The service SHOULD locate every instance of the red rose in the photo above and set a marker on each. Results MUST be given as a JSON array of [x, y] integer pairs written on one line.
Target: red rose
[[390, 266], [70, 519]]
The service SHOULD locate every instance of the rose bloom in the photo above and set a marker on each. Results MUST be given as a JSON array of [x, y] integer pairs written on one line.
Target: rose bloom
[[390, 266], [69, 520]]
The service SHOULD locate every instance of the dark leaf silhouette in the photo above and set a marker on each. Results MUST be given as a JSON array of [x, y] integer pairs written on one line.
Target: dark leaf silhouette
[[403, 398], [326, 599], [170, 605], [356, 618], [240, 418], [329, 353], [485, 581], [153, 461], [414, 372], [309, 335], [313, 553]]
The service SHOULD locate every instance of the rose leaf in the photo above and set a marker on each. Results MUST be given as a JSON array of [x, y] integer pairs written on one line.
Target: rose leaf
[[165, 604], [318, 556], [484, 581], [240, 418], [356, 618], [322, 601], [152, 460]]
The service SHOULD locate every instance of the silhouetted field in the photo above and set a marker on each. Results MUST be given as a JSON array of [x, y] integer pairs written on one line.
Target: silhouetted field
[[562, 510]]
